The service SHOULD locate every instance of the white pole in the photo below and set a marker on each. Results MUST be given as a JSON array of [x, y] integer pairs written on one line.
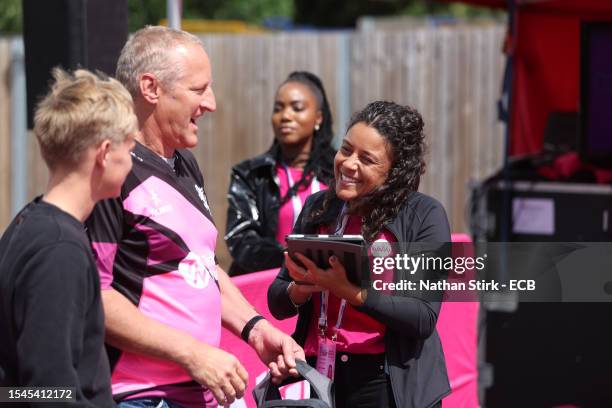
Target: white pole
[[19, 134], [174, 8]]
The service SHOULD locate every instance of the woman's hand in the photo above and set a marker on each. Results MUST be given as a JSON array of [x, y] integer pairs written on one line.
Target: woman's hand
[[333, 279], [299, 293]]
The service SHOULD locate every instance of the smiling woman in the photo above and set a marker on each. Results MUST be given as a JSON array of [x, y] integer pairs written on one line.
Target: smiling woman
[[362, 163], [385, 347], [267, 192]]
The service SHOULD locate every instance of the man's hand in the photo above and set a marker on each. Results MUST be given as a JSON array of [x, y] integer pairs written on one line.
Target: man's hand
[[218, 370], [127, 328], [276, 349]]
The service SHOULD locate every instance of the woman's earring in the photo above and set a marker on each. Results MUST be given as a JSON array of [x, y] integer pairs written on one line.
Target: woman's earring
[[317, 127]]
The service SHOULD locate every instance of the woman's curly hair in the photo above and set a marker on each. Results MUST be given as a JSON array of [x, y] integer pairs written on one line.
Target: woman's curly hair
[[402, 129], [321, 161]]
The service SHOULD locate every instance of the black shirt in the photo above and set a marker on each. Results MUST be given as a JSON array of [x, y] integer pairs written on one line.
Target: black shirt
[[252, 213], [51, 316]]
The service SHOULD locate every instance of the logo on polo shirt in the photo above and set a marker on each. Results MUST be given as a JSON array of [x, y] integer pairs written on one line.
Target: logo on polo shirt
[[158, 208], [195, 272]]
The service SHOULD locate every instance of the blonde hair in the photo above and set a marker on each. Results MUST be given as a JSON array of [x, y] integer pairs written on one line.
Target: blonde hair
[[81, 110], [147, 51]]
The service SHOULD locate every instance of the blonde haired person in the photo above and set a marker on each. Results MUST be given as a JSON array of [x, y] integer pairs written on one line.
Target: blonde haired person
[[51, 318]]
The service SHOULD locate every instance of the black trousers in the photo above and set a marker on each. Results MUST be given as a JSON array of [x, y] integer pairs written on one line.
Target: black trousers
[[360, 381]]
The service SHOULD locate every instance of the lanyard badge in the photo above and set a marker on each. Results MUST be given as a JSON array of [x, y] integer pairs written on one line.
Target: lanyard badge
[[326, 355]]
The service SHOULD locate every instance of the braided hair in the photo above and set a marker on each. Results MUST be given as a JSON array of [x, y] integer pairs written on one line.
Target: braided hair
[[321, 160], [402, 129]]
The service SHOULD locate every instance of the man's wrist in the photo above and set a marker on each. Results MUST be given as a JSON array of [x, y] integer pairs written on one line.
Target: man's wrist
[[185, 355], [257, 333], [249, 326]]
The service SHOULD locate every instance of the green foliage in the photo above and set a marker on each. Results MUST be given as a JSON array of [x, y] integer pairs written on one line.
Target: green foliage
[[345, 13], [143, 12], [251, 11], [10, 16], [457, 10], [342, 13], [319, 13]]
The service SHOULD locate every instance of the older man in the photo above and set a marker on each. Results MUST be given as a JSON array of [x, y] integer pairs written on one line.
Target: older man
[[165, 298]]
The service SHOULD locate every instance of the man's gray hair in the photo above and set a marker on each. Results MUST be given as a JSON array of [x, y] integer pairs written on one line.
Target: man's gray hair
[[147, 51]]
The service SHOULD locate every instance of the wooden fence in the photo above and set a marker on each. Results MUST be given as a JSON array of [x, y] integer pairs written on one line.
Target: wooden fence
[[451, 74], [5, 135]]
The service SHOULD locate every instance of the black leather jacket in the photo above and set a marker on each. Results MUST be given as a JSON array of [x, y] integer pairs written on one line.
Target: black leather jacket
[[413, 350], [252, 215]]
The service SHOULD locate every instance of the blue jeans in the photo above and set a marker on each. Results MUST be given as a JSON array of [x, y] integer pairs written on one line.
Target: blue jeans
[[155, 402]]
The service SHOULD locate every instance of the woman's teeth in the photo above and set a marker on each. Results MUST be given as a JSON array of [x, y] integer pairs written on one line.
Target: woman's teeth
[[347, 179]]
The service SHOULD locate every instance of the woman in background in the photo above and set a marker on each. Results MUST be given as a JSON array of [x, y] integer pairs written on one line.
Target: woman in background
[[384, 345], [267, 192]]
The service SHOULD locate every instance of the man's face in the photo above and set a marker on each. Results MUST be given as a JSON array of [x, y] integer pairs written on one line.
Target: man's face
[[182, 103]]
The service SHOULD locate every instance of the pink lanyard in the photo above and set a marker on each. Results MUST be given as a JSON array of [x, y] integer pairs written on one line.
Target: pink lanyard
[[295, 199], [340, 227]]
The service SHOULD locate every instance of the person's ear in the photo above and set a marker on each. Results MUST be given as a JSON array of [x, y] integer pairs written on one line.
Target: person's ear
[[102, 152], [149, 87]]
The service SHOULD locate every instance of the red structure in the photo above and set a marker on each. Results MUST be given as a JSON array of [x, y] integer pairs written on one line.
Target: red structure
[[544, 44]]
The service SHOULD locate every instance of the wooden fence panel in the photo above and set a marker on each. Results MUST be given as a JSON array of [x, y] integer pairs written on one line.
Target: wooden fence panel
[[246, 71], [452, 75], [5, 134]]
